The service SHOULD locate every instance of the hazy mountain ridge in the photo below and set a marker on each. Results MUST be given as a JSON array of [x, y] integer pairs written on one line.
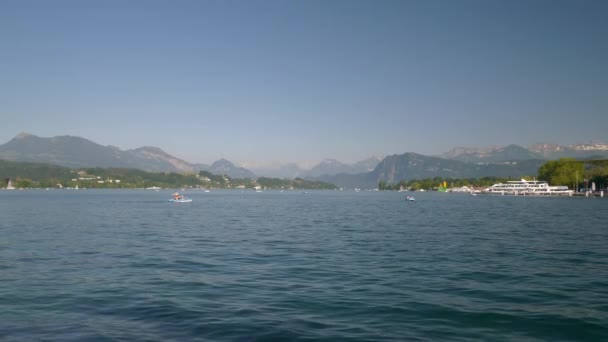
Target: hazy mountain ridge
[[159, 160], [66, 150], [329, 167], [415, 166], [546, 148], [225, 167], [70, 151], [367, 165], [468, 162], [459, 151], [585, 150], [498, 154], [592, 146], [276, 170], [325, 167], [510, 153], [411, 166]]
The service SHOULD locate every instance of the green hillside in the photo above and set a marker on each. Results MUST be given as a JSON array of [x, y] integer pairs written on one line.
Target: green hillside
[[38, 175]]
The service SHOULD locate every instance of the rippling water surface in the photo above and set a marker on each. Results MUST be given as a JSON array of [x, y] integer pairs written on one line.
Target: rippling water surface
[[324, 265]]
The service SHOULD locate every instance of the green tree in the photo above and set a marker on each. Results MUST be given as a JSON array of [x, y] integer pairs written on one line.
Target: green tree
[[22, 183], [598, 174], [382, 185], [562, 172]]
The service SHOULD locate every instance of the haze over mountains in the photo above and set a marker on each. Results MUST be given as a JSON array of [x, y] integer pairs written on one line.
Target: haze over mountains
[[325, 167], [503, 161], [74, 151], [536, 151]]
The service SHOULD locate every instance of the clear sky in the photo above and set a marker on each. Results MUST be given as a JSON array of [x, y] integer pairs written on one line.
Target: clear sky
[[305, 80]]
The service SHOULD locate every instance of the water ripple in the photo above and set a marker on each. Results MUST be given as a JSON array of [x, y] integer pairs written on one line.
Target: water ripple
[[245, 266]]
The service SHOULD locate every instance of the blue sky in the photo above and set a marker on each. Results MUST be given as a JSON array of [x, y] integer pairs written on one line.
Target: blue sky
[[305, 80]]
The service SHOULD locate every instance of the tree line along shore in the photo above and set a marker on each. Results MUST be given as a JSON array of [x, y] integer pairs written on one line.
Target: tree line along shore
[[578, 175], [37, 175]]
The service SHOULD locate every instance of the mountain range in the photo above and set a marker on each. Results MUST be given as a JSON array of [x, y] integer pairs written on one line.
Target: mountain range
[[536, 151], [411, 166], [71, 151], [460, 162], [325, 167], [77, 152], [498, 161], [496, 154]]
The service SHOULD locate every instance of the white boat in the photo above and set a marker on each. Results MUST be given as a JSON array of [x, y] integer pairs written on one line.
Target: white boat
[[182, 200], [463, 188], [410, 198], [9, 184], [524, 187]]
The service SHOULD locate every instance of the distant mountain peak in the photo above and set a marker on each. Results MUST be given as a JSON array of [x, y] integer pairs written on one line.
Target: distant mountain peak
[[546, 148], [74, 151], [24, 135], [222, 162], [590, 146], [226, 167]]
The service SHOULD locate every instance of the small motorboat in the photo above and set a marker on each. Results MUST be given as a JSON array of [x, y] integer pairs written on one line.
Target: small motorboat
[[181, 200], [410, 198]]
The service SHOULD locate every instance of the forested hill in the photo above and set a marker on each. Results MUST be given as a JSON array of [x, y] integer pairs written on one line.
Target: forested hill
[[77, 152], [39, 175]]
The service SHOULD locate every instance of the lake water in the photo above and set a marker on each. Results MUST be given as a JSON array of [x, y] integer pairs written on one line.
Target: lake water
[[126, 265]]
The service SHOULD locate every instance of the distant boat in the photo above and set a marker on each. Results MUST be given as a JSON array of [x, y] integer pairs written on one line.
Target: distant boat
[[180, 198], [410, 198], [183, 200]]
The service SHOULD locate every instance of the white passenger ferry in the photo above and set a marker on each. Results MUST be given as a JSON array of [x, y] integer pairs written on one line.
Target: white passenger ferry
[[525, 187]]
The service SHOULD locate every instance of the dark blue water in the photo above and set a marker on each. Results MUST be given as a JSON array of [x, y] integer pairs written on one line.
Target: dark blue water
[[245, 266]]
